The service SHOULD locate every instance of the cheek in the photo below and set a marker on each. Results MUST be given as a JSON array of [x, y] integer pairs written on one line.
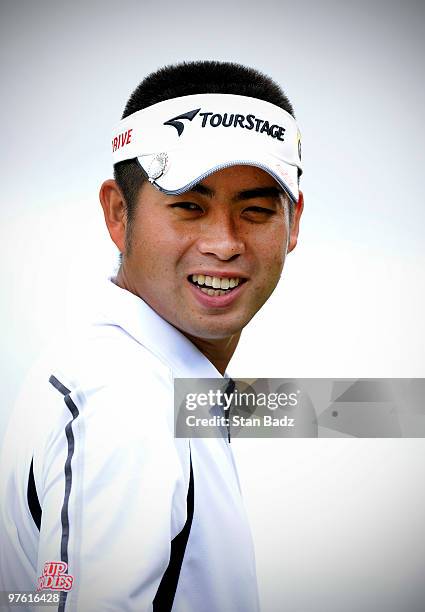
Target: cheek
[[272, 269], [159, 247], [269, 253], [271, 250]]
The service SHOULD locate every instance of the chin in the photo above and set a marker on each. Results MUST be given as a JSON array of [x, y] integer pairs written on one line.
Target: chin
[[215, 332]]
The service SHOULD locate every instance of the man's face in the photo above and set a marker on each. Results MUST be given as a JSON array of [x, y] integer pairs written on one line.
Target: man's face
[[207, 260]]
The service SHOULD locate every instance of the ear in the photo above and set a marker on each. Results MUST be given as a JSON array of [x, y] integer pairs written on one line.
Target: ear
[[294, 229], [114, 210]]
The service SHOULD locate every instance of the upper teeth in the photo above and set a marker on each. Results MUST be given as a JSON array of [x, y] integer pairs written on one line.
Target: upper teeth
[[215, 281]]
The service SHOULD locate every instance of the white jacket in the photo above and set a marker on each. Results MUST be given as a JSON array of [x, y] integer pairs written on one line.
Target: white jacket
[[91, 475]]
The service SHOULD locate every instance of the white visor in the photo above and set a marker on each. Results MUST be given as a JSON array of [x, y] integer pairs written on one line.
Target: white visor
[[181, 141]]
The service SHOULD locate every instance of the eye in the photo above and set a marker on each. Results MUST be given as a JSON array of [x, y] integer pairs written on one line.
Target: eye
[[260, 211], [190, 206]]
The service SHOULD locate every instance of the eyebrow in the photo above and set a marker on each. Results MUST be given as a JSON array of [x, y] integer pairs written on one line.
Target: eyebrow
[[246, 194]]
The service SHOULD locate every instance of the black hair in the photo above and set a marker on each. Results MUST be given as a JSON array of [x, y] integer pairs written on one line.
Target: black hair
[[184, 79]]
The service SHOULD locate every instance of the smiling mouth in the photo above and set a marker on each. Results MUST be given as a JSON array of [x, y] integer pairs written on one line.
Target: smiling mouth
[[215, 285]]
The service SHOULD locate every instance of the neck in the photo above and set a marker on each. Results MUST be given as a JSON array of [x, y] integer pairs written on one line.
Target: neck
[[218, 351]]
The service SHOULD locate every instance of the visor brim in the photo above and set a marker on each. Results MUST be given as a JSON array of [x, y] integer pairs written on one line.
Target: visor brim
[[182, 170]]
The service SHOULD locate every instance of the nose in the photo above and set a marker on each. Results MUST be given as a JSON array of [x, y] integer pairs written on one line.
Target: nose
[[221, 238]]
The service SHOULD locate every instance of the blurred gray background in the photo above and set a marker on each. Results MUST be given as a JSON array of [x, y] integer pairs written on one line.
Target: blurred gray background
[[338, 524]]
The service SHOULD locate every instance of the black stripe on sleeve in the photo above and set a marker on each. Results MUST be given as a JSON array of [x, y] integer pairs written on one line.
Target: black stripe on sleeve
[[58, 385], [68, 476], [32, 497], [164, 597]]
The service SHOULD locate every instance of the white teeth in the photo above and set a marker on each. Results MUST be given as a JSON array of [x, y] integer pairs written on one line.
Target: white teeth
[[213, 292], [215, 282]]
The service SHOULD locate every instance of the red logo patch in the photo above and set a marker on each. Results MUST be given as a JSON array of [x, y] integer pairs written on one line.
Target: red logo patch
[[55, 577]]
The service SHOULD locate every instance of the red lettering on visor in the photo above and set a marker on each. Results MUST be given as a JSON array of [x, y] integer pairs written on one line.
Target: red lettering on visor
[[121, 140]]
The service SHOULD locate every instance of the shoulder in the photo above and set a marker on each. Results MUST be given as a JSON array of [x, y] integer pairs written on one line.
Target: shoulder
[[105, 372], [105, 354], [114, 399]]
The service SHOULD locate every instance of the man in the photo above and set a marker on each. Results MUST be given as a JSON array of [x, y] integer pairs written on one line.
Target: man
[[100, 502]]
